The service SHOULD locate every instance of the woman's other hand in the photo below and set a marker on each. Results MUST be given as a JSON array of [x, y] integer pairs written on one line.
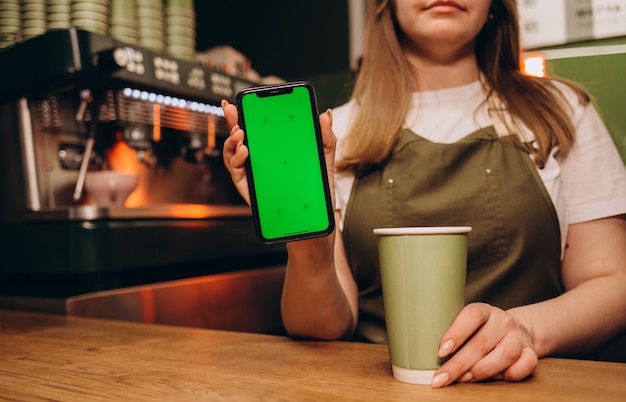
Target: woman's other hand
[[485, 342]]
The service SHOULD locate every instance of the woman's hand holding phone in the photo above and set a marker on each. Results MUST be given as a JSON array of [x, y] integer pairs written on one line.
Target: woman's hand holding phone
[[235, 152]]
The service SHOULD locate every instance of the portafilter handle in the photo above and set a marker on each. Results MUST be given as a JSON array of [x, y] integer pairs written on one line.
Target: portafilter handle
[[85, 100], [82, 172]]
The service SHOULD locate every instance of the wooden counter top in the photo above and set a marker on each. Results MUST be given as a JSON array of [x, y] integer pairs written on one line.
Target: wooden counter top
[[51, 357]]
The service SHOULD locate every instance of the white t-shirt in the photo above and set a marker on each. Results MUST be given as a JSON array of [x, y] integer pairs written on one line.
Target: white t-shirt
[[589, 183]]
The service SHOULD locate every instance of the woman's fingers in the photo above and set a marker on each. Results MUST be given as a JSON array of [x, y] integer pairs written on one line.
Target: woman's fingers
[[467, 322], [485, 342], [510, 359], [235, 152], [230, 113]]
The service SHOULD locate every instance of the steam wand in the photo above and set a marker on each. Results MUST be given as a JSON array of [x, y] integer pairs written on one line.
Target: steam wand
[[86, 99]]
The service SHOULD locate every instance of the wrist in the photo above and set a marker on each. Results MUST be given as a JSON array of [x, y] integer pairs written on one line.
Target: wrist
[[317, 251], [524, 319]]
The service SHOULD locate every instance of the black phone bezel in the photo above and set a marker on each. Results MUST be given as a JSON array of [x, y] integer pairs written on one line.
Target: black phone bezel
[[272, 90]]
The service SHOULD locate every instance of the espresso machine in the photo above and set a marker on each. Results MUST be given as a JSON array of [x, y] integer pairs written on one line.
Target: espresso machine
[[73, 102]]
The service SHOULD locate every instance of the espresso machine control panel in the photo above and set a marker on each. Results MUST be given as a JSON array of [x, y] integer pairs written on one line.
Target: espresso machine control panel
[[48, 63]]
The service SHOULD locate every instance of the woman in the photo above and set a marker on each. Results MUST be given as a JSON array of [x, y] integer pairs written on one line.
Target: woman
[[442, 129]]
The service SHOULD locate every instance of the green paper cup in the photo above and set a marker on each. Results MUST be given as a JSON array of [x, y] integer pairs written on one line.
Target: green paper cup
[[149, 3], [148, 12], [181, 12], [178, 20], [423, 271], [62, 9], [123, 9], [186, 4], [117, 32], [58, 17], [90, 15], [181, 31], [10, 7], [34, 7], [10, 30], [58, 25]]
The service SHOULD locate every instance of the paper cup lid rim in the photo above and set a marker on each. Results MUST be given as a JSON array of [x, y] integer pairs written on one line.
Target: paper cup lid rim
[[422, 230]]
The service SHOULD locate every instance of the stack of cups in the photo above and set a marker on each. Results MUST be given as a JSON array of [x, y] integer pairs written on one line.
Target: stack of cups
[[151, 20], [10, 23], [33, 18], [124, 25], [59, 14], [91, 15], [181, 29]]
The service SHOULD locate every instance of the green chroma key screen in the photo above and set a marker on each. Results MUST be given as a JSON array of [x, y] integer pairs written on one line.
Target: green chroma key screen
[[285, 163]]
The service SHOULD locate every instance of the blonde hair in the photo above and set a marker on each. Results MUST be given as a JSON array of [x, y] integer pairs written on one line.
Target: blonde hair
[[384, 85]]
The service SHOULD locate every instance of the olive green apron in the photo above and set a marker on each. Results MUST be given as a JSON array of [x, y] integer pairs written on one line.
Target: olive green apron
[[481, 181]]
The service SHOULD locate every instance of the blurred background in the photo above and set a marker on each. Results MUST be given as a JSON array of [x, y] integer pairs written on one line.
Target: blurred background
[[308, 40], [115, 201]]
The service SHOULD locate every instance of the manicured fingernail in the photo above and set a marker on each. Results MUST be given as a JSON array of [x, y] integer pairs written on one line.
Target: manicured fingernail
[[224, 103], [446, 348], [329, 113], [440, 380]]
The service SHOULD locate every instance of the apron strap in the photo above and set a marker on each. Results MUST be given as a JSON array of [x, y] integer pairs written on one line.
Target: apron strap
[[503, 122]]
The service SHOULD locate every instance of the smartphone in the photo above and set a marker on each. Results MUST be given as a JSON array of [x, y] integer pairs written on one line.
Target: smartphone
[[287, 177]]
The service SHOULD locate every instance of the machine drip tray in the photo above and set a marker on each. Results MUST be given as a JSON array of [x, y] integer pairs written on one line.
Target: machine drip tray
[[165, 211]]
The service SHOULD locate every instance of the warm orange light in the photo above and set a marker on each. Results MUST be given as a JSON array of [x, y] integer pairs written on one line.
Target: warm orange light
[[210, 134], [196, 211], [178, 118], [534, 64], [148, 310], [156, 122], [122, 158]]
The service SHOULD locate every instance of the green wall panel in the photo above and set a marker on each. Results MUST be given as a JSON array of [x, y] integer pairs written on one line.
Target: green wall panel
[[604, 76]]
